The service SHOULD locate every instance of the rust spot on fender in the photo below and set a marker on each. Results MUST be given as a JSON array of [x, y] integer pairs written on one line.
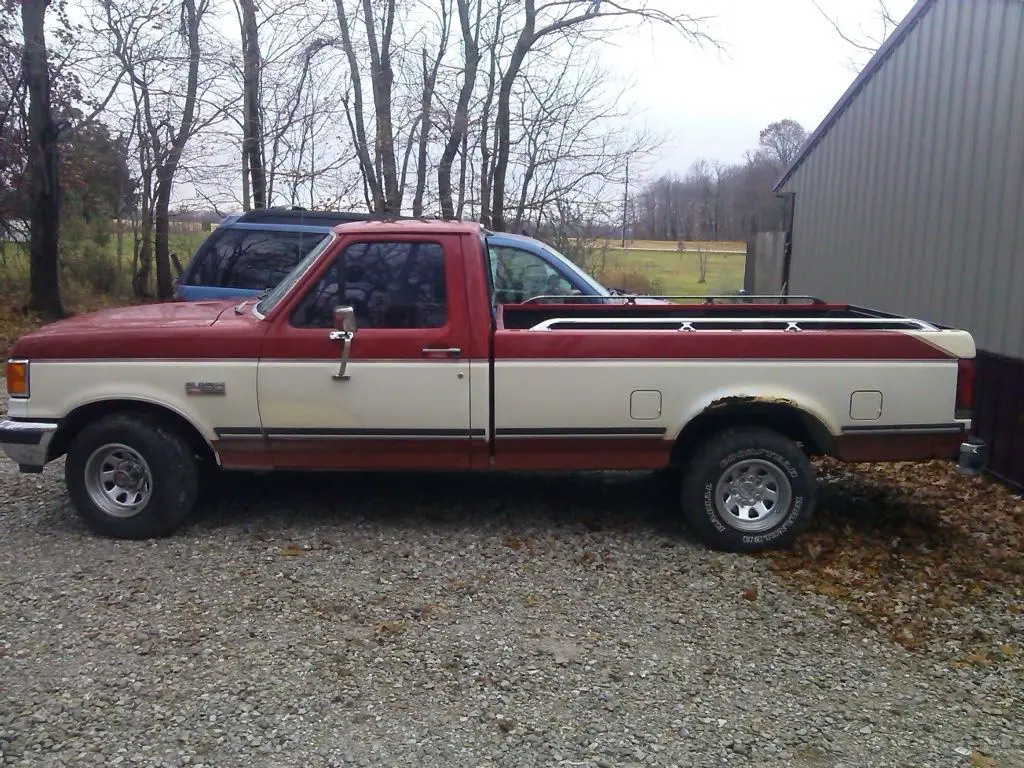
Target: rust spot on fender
[[724, 402]]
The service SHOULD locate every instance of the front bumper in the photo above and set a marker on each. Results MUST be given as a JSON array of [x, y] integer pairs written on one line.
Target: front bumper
[[973, 457], [27, 442]]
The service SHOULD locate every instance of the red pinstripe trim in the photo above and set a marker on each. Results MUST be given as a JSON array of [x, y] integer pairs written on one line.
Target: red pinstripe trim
[[718, 345]]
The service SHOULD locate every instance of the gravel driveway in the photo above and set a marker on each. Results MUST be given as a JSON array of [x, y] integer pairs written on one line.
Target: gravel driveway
[[450, 621]]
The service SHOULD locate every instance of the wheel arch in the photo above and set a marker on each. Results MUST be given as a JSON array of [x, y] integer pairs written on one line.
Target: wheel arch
[[88, 413], [781, 415]]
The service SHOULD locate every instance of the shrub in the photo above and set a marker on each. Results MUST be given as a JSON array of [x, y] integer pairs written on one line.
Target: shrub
[[630, 281]]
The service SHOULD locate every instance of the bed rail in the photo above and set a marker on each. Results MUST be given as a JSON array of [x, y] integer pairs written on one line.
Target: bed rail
[[731, 298], [692, 325]]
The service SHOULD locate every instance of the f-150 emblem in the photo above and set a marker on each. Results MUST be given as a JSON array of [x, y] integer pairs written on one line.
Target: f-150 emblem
[[205, 388]]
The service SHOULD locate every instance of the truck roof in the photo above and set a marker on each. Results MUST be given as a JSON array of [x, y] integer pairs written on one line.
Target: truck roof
[[411, 226]]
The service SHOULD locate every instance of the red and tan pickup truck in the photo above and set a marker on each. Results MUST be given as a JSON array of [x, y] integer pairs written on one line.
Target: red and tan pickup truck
[[384, 350]]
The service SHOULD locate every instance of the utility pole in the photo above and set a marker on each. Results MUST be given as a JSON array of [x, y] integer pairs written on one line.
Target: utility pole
[[625, 205]]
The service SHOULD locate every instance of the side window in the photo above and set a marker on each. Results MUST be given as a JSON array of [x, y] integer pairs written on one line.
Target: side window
[[252, 259], [519, 275], [389, 284]]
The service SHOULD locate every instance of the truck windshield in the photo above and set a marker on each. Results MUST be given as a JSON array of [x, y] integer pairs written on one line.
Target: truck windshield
[[268, 302]]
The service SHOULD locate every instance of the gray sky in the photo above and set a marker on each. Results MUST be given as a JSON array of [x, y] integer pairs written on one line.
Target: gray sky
[[782, 59]]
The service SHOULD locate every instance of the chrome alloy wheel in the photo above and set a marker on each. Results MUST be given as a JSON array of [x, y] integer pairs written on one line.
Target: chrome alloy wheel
[[753, 495], [118, 480]]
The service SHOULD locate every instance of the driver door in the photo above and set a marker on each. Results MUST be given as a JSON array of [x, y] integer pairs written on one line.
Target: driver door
[[403, 399]]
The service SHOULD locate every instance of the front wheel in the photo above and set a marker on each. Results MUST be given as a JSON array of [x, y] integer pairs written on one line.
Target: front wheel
[[131, 477], [747, 489]]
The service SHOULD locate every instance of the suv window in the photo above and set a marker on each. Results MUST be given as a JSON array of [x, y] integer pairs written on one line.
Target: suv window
[[250, 259], [519, 275], [389, 284]]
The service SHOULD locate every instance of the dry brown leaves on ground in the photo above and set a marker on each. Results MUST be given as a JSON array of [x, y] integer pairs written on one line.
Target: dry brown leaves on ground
[[16, 321], [918, 552], [13, 324]]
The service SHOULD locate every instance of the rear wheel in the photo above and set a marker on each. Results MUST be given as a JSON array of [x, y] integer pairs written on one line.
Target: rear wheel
[[131, 477], [747, 489]]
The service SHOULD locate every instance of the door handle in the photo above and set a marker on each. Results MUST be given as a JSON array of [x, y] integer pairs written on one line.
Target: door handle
[[446, 351], [345, 337]]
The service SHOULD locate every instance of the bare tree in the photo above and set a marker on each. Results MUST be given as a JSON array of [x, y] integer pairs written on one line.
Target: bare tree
[[381, 172], [547, 18], [782, 141], [429, 72], [719, 201], [458, 134], [164, 70], [43, 166], [252, 107], [864, 43]]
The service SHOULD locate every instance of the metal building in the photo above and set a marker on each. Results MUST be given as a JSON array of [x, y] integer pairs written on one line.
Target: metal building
[[909, 197]]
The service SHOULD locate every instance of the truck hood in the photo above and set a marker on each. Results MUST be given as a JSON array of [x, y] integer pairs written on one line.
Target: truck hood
[[103, 333], [170, 314]]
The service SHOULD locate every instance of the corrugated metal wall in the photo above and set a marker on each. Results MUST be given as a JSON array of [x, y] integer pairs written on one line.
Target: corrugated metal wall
[[913, 201], [999, 414]]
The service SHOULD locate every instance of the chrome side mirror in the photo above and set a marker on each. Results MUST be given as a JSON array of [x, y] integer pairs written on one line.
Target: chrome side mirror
[[345, 319], [345, 331]]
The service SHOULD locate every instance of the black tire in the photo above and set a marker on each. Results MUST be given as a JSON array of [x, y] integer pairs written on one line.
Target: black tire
[[783, 463], [173, 470]]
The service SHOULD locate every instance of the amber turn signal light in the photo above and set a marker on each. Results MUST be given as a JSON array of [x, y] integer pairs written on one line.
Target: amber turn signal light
[[16, 373]]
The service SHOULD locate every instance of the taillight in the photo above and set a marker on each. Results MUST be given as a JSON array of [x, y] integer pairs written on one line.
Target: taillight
[[964, 388]]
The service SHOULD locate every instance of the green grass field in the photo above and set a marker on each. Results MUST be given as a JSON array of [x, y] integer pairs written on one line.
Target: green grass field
[[670, 245], [14, 256], [672, 273]]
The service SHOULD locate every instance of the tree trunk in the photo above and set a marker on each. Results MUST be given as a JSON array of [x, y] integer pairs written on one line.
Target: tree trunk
[[357, 124], [165, 172], [485, 152], [252, 139], [162, 227], [140, 279], [426, 102], [502, 123], [471, 53], [464, 161], [43, 168], [246, 196], [382, 78]]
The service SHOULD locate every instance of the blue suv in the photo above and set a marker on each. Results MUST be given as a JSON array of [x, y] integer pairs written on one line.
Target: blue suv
[[251, 252]]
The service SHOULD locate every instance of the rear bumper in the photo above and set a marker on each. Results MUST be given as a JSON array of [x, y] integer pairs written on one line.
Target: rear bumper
[[27, 442], [973, 458]]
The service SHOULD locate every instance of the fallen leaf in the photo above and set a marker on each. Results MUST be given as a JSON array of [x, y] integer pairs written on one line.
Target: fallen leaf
[[292, 550], [750, 593], [902, 545], [389, 628], [979, 658], [981, 761]]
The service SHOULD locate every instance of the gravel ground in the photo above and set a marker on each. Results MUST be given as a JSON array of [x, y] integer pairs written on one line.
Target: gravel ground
[[450, 621]]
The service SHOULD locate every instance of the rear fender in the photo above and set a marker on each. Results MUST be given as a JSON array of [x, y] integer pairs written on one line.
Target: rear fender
[[737, 406]]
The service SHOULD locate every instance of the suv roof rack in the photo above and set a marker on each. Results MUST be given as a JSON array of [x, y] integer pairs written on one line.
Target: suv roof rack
[[292, 215], [295, 213]]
